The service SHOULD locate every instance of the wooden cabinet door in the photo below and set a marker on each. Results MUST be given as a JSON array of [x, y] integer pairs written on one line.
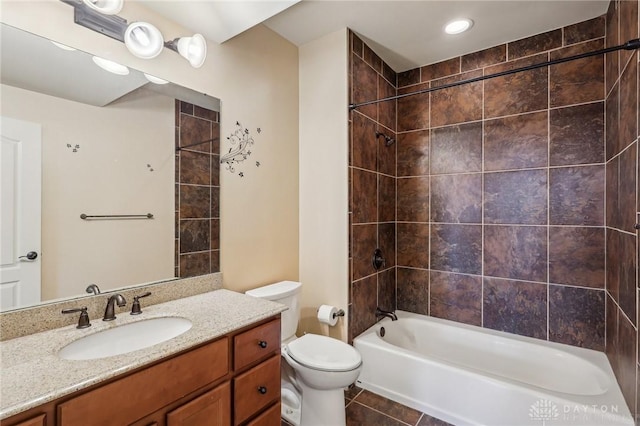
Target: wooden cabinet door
[[210, 409], [137, 395]]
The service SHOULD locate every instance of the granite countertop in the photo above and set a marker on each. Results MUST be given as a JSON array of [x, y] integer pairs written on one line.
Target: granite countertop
[[33, 374]]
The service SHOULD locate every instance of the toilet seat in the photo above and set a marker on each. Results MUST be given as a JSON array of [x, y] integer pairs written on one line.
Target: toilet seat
[[323, 353]]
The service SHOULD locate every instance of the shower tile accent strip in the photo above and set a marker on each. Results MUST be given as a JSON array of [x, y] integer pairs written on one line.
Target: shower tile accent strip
[[197, 202], [515, 199]]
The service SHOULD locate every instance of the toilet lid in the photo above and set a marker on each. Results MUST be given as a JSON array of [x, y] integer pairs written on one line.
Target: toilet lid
[[324, 353]]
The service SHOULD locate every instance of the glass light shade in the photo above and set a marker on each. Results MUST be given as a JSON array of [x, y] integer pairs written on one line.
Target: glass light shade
[[458, 26], [194, 49], [107, 7], [62, 46], [110, 66], [154, 79], [143, 40]]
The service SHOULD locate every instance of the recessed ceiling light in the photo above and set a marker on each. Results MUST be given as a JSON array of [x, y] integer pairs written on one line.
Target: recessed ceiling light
[[111, 66], [458, 26]]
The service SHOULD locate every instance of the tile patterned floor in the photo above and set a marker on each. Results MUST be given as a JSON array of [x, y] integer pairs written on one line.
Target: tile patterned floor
[[367, 408]]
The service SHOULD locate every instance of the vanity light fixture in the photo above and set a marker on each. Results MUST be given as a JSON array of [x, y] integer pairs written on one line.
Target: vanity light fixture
[[458, 26], [154, 79], [110, 66], [107, 7], [193, 49], [143, 40]]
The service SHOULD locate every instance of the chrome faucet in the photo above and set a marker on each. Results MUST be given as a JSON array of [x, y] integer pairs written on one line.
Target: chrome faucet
[[388, 314], [109, 313]]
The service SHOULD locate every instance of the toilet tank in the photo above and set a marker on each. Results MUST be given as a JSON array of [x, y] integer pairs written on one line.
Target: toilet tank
[[287, 293]]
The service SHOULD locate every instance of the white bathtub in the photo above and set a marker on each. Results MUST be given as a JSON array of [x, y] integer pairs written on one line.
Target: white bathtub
[[468, 375]]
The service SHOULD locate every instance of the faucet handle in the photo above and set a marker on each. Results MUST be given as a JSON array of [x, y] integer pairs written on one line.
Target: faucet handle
[[135, 306], [83, 321]]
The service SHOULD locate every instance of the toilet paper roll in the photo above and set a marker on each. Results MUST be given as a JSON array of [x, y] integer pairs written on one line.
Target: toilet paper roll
[[327, 314]]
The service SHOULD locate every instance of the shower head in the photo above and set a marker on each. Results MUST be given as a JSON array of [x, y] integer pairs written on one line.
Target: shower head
[[388, 141]]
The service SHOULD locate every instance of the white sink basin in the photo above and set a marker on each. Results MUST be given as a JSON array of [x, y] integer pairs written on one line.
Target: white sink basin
[[125, 338]]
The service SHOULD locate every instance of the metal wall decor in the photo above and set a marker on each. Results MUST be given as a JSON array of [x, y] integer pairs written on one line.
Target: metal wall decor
[[241, 142]]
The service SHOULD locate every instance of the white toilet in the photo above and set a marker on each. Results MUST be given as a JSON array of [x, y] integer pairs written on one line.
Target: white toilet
[[317, 368]]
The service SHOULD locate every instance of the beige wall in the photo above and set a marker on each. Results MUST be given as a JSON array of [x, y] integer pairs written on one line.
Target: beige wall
[[256, 77], [107, 175], [323, 179]]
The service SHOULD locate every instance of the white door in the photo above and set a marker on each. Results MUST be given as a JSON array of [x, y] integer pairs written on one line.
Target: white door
[[20, 208]]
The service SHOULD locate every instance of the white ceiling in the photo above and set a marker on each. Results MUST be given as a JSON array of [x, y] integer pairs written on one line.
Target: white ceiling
[[218, 20], [405, 34], [408, 34]]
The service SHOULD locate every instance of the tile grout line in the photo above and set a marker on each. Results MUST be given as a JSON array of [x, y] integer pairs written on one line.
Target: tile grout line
[[482, 205], [549, 196], [380, 412]]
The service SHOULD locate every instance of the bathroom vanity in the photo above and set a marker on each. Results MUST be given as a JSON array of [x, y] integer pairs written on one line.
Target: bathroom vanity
[[224, 371]]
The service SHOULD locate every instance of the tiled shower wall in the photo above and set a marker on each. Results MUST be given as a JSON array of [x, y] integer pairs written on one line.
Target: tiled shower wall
[[197, 191], [500, 210], [623, 294], [372, 188], [501, 190]]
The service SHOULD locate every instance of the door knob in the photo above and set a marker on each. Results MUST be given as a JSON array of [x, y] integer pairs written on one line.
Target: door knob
[[32, 255]]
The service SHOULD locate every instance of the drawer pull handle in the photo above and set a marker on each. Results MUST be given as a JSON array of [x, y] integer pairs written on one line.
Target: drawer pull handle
[[262, 390], [262, 344]]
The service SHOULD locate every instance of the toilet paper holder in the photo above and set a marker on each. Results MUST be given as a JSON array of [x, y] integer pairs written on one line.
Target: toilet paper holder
[[340, 313]]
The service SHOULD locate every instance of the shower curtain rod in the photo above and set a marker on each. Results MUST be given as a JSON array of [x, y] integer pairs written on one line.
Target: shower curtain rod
[[629, 45], [180, 148]]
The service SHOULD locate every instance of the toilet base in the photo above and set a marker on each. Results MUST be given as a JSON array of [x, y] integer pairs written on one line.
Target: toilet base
[[290, 404], [322, 407]]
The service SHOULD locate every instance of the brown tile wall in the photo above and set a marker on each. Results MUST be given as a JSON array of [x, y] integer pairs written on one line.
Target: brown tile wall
[[499, 190], [515, 198], [197, 191], [372, 190], [622, 201]]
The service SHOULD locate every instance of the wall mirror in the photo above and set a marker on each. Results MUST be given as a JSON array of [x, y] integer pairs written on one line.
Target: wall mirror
[[79, 140]]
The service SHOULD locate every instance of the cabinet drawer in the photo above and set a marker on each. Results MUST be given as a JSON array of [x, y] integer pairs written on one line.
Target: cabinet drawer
[[34, 421], [210, 409], [139, 394], [256, 389], [256, 344], [270, 417]]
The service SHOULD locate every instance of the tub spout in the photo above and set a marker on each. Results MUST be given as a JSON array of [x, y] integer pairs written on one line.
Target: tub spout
[[388, 314]]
